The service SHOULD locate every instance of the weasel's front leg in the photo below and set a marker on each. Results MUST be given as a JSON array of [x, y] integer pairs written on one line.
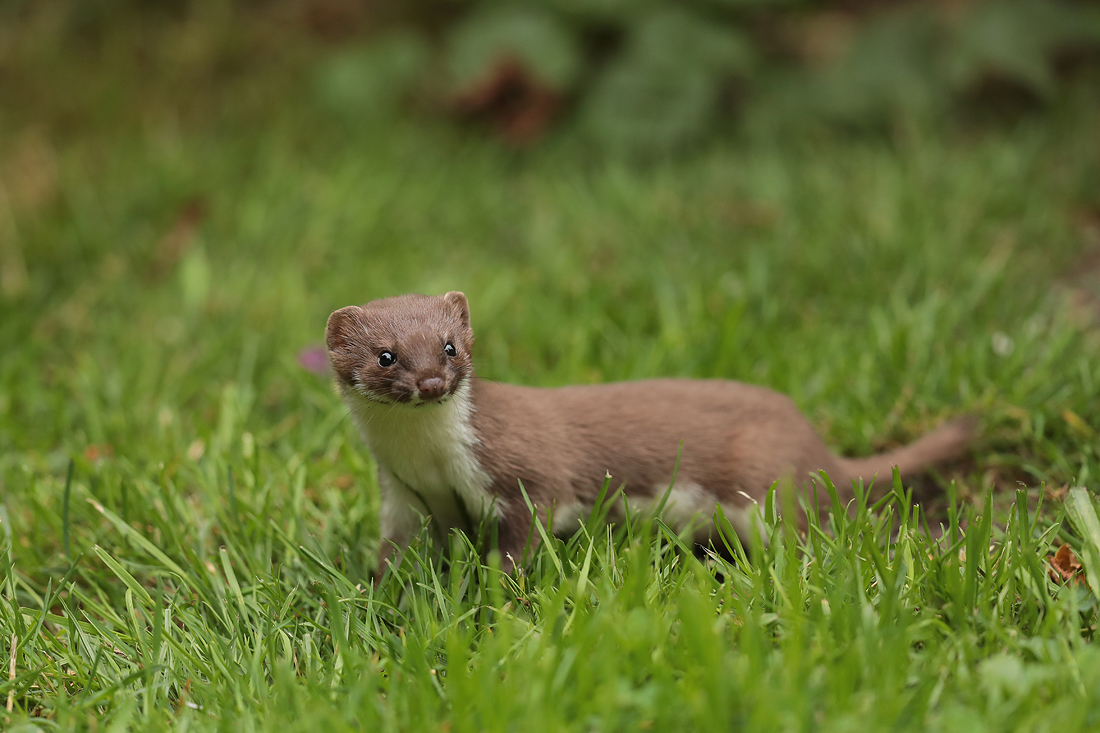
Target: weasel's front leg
[[399, 520], [515, 533]]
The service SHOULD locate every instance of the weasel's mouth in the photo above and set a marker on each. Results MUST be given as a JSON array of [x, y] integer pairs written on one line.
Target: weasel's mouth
[[430, 403], [407, 401]]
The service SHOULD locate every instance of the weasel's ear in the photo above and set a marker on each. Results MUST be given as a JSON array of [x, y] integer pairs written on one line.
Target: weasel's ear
[[345, 329], [457, 302]]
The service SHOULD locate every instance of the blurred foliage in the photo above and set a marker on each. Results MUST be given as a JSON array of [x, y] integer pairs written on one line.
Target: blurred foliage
[[665, 85], [921, 61], [655, 76], [369, 80], [632, 77], [537, 39]]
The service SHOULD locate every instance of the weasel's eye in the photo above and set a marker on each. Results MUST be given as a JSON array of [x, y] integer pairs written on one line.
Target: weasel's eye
[[450, 350], [386, 359]]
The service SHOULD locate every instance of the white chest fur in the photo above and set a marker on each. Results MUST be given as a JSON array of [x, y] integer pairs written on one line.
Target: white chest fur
[[429, 449]]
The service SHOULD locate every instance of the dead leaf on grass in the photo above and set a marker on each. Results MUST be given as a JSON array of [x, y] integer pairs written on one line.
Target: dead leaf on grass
[[1065, 567]]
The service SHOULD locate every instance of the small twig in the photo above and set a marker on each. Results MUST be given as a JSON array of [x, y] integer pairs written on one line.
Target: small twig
[[11, 670]]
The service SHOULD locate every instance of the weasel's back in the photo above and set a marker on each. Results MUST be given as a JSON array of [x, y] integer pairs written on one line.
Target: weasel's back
[[737, 439]]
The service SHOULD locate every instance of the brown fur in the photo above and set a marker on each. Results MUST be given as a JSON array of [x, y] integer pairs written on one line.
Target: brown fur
[[738, 439]]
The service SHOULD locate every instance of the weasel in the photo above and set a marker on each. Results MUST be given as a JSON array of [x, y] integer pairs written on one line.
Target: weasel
[[453, 447]]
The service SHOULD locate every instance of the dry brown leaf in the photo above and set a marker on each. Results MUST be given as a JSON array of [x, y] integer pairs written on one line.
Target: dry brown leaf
[[1065, 567]]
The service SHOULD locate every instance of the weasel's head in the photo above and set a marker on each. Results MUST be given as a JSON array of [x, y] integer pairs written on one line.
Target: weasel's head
[[411, 349]]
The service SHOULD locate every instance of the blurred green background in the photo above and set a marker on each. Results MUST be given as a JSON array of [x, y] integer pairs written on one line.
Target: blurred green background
[[889, 211]]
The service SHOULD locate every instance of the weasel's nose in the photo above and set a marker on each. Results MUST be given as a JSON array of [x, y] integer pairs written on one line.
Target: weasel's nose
[[431, 388]]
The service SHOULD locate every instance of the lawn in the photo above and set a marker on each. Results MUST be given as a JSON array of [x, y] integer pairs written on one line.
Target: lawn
[[188, 518]]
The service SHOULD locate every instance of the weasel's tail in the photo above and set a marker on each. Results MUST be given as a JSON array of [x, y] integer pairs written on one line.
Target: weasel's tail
[[947, 442]]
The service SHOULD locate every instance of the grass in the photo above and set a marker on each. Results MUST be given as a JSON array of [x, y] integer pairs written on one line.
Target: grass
[[188, 520]]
